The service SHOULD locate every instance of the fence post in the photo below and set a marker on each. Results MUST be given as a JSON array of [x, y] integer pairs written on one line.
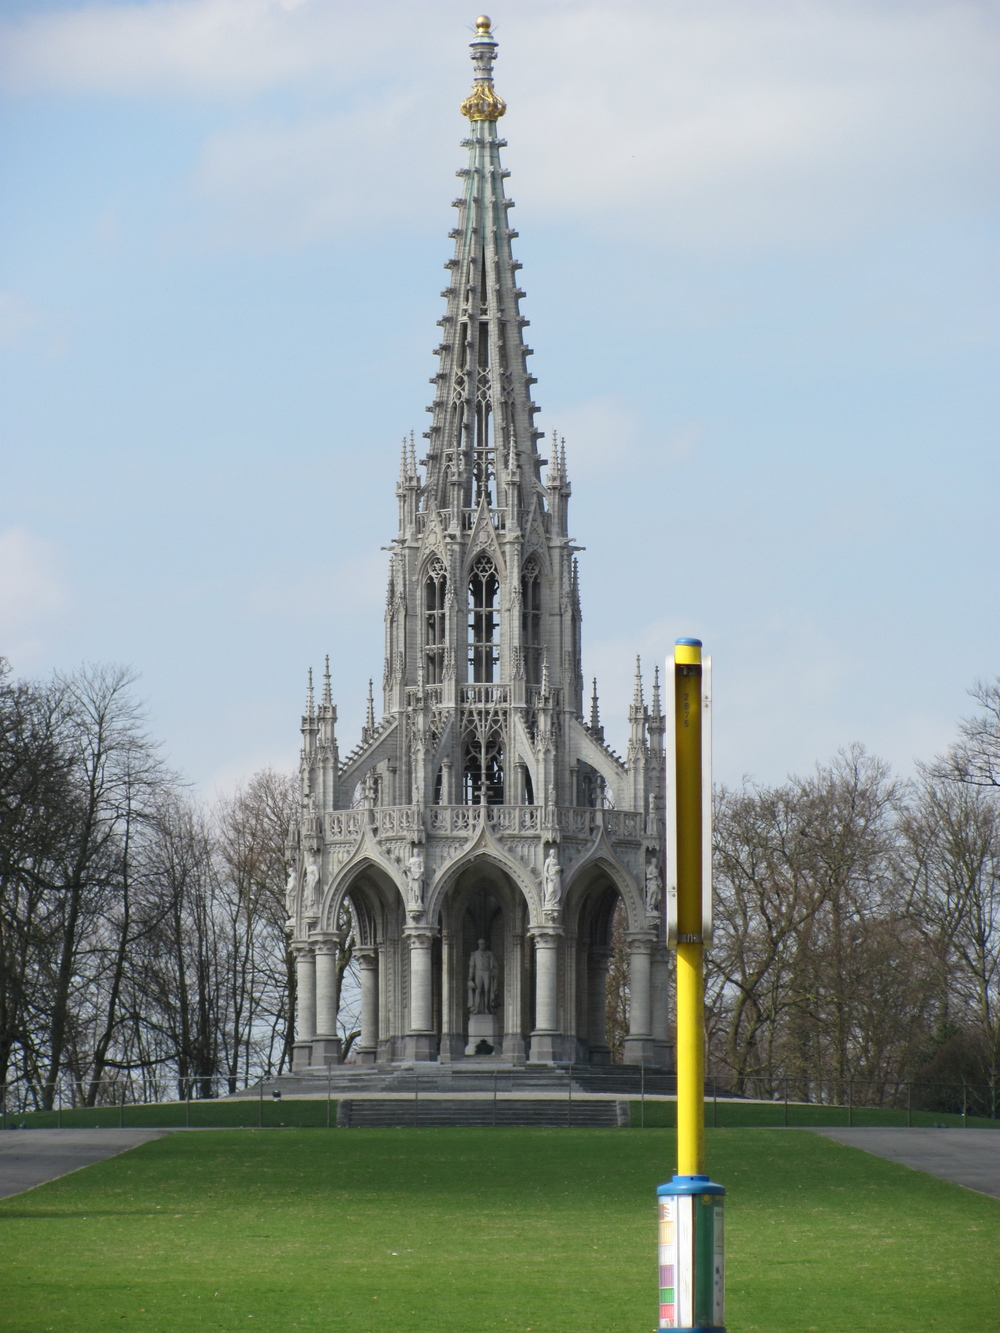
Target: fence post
[[909, 1104], [260, 1103], [785, 1081], [715, 1104], [850, 1101], [965, 1106], [187, 1106], [416, 1095], [642, 1095], [329, 1086], [569, 1097], [59, 1109], [121, 1110], [494, 1099]]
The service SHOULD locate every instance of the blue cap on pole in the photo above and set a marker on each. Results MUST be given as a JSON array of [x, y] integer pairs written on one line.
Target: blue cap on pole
[[690, 643]]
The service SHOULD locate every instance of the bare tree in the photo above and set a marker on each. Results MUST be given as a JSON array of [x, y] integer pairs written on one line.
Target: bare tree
[[35, 791], [952, 846], [618, 986], [975, 759], [253, 828]]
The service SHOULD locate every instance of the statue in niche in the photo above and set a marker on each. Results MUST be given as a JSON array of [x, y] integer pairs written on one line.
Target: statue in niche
[[291, 889], [654, 888], [483, 973], [552, 885], [311, 894], [414, 890]]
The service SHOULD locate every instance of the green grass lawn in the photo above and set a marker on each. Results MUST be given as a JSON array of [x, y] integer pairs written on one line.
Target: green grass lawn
[[474, 1230]]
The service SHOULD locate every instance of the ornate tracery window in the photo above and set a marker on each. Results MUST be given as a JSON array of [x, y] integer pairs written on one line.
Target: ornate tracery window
[[483, 768], [531, 622], [435, 591], [485, 463], [484, 620]]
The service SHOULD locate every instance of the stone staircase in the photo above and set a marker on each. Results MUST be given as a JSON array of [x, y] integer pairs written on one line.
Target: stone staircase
[[550, 1112], [468, 1076]]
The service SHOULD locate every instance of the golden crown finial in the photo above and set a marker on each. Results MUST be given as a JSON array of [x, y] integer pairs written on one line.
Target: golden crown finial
[[483, 103]]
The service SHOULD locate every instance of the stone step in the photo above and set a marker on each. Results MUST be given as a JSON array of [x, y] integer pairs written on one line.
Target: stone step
[[384, 1112], [342, 1080]]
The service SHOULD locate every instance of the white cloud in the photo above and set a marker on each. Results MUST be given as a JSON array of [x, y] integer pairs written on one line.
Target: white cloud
[[304, 181], [604, 435], [695, 123], [17, 317], [764, 121], [356, 584], [32, 591], [213, 47]]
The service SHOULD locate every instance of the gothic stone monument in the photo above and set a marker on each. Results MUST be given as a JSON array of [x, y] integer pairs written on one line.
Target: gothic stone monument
[[482, 833]]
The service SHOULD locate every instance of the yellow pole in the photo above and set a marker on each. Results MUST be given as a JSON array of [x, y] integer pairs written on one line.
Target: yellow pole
[[690, 947]]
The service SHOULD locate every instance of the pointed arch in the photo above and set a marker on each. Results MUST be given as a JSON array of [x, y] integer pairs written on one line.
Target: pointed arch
[[599, 863], [484, 618], [484, 849], [531, 620], [434, 619], [368, 863]]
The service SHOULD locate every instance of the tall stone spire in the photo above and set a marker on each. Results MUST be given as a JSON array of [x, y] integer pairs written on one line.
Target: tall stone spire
[[479, 788], [482, 427]]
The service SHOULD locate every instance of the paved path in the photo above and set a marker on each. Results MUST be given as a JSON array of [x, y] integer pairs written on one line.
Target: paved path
[[969, 1157], [30, 1157]]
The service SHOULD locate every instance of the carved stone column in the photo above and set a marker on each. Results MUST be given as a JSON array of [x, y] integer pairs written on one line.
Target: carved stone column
[[366, 1051], [659, 1001], [546, 1039], [452, 993], [639, 1042], [597, 1005], [514, 1045], [421, 1039], [305, 1007], [326, 1043]]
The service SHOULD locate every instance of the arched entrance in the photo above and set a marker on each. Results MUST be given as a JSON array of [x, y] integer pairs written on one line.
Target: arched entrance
[[484, 904], [621, 977]]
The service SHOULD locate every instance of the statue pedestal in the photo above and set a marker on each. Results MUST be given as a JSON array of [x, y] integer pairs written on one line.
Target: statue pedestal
[[483, 1032]]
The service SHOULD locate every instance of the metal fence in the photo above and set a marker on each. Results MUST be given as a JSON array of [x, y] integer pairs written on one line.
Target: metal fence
[[200, 1104], [775, 1102]]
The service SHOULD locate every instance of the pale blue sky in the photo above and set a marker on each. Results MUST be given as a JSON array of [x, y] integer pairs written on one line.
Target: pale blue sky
[[759, 247]]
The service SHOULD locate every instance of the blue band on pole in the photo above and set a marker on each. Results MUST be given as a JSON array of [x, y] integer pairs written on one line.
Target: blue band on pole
[[691, 1185], [690, 643]]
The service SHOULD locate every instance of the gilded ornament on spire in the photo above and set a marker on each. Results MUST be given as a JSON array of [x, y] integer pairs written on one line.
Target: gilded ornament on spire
[[482, 103]]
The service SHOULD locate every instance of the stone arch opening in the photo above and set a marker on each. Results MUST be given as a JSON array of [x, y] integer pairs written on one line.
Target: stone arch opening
[[620, 973], [483, 1000], [368, 994]]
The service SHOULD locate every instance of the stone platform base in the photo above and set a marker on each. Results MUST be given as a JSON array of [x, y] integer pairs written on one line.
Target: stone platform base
[[484, 1036]]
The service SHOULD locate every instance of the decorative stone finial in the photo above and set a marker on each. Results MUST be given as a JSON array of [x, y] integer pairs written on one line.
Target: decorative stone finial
[[482, 103]]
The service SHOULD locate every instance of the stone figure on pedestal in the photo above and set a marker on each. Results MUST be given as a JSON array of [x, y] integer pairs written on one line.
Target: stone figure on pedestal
[[654, 888], [552, 886], [482, 981], [415, 882], [311, 895], [291, 888]]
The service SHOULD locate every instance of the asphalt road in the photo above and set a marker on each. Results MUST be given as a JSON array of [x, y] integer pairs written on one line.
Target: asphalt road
[[30, 1157], [969, 1157]]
